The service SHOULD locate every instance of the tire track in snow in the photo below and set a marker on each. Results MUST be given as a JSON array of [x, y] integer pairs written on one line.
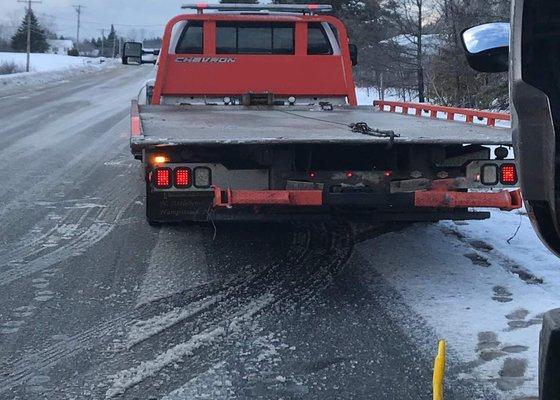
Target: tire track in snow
[[234, 308], [16, 373], [89, 231], [71, 235], [316, 256]]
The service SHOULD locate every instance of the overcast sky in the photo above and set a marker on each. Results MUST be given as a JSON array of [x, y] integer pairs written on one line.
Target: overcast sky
[[130, 17]]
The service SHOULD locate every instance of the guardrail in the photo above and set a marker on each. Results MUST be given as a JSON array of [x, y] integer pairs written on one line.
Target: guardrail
[[451, 112]]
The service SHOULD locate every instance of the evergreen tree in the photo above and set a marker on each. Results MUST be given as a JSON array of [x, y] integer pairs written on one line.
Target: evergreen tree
[[110, 44], [359, 16], [363, 20], [38, 37]]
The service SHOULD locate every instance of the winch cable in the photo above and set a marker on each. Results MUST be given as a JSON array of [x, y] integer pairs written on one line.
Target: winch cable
[[357, 127]]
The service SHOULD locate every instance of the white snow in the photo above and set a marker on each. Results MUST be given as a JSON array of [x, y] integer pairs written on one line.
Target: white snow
[[47, 68], [126, 379], [43, 62], [130, 377], [143, 330], [366, 96], [464, 302]]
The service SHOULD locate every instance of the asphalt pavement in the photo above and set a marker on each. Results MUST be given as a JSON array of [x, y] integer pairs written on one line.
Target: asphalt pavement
[[96, 304]]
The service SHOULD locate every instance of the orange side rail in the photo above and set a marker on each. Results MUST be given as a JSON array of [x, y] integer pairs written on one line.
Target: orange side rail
[[135, 122], [451, 112]]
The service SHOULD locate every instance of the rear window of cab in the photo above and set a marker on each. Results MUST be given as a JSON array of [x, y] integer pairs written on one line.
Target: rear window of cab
[[261, 38]]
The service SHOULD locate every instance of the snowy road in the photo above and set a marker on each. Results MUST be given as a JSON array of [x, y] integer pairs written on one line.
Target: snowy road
[[95, 304]]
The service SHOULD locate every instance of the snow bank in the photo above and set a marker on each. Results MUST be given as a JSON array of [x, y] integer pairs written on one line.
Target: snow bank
[[366, 96], [48, 62], [47, 68]]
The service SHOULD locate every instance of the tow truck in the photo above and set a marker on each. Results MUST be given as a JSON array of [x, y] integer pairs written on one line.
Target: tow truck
[[253, 116]]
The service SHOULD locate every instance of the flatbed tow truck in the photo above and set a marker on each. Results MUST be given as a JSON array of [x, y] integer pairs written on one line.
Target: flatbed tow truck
[[253, 116]]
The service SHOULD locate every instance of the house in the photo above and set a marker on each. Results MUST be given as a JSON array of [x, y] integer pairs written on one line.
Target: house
[[88, 50], [60, 46]]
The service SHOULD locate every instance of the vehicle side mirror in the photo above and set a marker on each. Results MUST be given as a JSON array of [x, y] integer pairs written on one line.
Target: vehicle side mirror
[[353, 54], [132, 53], [487, 46]]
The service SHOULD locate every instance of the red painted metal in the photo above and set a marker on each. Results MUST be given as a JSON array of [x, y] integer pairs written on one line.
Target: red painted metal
[[470, 114], [135, 123], [267, 197], [503, 200], [295, 75]]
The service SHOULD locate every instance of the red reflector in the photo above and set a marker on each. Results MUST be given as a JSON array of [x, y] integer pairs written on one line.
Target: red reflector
[[182, 177], [162, 178], [349, 174], [508, 174]]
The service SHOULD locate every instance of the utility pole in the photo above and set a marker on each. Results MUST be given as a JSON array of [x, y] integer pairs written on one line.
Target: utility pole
[[114, 44], [78, 9], [29, 2]]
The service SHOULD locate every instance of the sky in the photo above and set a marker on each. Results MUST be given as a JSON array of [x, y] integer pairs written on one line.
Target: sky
[[132, 18]]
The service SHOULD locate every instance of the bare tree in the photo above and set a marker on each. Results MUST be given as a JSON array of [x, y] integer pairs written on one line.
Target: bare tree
[[410, 18]]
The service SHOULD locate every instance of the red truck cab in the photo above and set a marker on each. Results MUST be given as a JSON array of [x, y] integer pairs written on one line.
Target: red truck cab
[[228, 55]]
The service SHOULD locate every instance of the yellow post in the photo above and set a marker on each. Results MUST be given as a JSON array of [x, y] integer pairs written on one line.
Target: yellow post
[[439, 371]]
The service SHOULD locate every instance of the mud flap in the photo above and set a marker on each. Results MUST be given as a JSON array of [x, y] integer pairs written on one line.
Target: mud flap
[[549, 357], [172, 207]]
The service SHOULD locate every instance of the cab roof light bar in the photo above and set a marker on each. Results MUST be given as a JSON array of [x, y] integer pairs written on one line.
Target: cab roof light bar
[[294, 8]]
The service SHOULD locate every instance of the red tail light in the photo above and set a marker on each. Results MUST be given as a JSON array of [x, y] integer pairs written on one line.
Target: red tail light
[[508, 174], [161, 178], [182, 177]]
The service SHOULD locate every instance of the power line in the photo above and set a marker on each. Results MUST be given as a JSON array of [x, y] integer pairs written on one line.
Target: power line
[[29, 3], [99, 22]]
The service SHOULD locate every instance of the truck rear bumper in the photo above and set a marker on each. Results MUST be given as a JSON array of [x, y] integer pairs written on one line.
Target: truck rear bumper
[[504, 200]]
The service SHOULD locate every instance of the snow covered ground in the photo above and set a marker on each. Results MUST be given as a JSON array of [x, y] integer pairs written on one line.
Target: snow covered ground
[[47, 68], [366, 96], [483, 294], [49, 62]]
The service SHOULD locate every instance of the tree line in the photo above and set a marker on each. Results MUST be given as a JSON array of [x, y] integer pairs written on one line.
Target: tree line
[[414, 48], [105, 45]]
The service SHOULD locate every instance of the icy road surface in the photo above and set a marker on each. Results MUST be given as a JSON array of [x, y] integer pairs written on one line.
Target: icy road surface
[[95, 304]]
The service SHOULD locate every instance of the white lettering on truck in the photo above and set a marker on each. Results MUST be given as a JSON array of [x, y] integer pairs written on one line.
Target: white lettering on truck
[[213, 60]]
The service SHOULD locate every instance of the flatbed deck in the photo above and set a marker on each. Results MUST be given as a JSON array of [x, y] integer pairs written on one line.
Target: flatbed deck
[[230, 125]]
